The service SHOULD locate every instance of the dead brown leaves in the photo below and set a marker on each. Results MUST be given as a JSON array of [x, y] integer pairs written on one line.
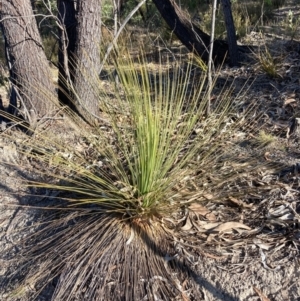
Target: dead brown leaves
[[261, 294]]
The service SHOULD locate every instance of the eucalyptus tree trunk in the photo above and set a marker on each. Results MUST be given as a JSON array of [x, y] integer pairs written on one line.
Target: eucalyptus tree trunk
[[30, 74], [80, 55]]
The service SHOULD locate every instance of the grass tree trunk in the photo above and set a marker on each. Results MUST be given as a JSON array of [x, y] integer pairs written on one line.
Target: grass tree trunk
[[80, 54], [188, 33], [30, 74]]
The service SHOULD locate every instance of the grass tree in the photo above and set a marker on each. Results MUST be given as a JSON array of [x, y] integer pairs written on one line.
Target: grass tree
[[119, 201]]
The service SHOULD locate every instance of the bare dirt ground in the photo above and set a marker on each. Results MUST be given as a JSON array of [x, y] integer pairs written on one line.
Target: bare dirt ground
[[262, 265]]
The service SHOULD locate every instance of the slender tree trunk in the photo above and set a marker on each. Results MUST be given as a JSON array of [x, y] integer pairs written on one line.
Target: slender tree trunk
[[30, 73], [82, 50], [231, 37], [188, 33], [210, 61], [66, 51]]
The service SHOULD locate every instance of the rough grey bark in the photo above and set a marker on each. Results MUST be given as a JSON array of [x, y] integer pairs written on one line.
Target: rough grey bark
[[82, 50], [188, 33], [231, 37], [30, 73]]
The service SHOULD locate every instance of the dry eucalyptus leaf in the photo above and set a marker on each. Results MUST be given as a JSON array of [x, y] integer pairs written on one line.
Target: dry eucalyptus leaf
[[201, 210], [188, 225], [211, 217], [289, 100], [261, 295], [185, 297], [287, 216], [262, 245], [279, 211], [240, 203], [230, 226], [209, 226], [209, 196], [266, 156], [213, 256]]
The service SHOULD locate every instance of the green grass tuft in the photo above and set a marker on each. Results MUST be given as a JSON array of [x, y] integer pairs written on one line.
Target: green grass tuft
[[264, 139], [268, 63]]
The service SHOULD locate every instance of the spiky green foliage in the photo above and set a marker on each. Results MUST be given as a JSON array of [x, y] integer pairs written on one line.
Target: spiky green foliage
[[268, 63], [264, 139], [147, 145], [112, 189]]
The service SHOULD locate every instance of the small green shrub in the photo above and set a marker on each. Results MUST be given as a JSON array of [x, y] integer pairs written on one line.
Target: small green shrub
[[267, 62], [264, 139]]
